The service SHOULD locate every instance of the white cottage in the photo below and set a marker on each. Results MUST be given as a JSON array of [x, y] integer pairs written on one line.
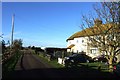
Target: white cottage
[[78, 42]]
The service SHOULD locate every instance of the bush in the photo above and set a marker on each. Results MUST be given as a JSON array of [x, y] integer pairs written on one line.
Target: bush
[[9, 64]]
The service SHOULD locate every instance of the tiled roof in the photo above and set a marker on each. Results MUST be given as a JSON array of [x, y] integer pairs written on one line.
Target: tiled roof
[[91, 31]]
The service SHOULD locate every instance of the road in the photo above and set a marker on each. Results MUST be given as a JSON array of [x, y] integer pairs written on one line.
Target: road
[[30, 66], [31, 61]]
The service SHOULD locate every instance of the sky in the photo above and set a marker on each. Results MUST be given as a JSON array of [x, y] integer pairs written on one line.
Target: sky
[[43, 24]]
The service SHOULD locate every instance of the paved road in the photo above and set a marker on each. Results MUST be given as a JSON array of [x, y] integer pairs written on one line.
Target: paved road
[[30, 66], [31, 61]]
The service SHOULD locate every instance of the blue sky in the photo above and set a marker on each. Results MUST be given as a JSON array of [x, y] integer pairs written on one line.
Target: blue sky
[[46, 24]]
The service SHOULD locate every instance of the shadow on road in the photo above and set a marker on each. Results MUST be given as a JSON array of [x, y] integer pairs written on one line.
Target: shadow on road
[[75, 72], [81, 72]]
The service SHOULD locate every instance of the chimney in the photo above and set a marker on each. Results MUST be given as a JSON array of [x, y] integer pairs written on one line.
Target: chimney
[[97, 21]]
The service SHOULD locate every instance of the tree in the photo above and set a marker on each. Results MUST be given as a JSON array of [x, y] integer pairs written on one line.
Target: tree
[[29, 47], [33, 47], [104, 32], [17, 44], [3, 46]]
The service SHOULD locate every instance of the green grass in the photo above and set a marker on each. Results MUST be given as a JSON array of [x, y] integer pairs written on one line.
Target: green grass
[[95, 65], [53, 63]]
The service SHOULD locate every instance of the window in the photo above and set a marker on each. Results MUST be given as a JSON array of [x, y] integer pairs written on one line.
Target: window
[[98, 38], [82, 41], [110, 37], [89, 39], [93, 51]]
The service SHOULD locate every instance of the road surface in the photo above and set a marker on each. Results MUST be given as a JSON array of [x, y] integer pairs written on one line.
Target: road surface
[[30, 66]]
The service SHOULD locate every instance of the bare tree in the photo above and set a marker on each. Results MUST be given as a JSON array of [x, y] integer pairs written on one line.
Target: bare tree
[[104, 32]]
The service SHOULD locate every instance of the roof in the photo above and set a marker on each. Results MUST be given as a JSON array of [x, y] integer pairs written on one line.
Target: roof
[[91, 31], [70, 46]]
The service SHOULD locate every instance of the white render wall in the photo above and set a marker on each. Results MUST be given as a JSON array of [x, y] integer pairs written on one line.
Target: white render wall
[[81, 45]]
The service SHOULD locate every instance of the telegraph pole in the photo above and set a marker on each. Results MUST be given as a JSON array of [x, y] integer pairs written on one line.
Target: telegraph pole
[[12, 30]]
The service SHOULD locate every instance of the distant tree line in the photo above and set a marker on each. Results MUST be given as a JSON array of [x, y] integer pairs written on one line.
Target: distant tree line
[[37, 49]]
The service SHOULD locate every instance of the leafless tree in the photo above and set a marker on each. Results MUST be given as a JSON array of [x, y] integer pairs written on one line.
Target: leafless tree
[[104, 32]]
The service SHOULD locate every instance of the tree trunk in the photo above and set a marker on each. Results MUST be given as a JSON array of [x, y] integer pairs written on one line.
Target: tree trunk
[[110, 64]]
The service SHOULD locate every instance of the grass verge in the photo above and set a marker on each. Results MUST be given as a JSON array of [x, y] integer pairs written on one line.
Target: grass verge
[[53, 63], [96, 65]]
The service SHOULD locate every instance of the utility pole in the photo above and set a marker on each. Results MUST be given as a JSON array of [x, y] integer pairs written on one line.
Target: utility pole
[[12, 30]]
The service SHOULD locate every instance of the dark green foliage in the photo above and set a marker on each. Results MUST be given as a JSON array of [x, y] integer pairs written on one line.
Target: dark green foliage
[[10, 63], [17, 45], [11, 56], [3, 46]]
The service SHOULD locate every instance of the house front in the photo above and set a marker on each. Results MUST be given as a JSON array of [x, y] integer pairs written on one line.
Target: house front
[[79, 41], [80, 45]]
